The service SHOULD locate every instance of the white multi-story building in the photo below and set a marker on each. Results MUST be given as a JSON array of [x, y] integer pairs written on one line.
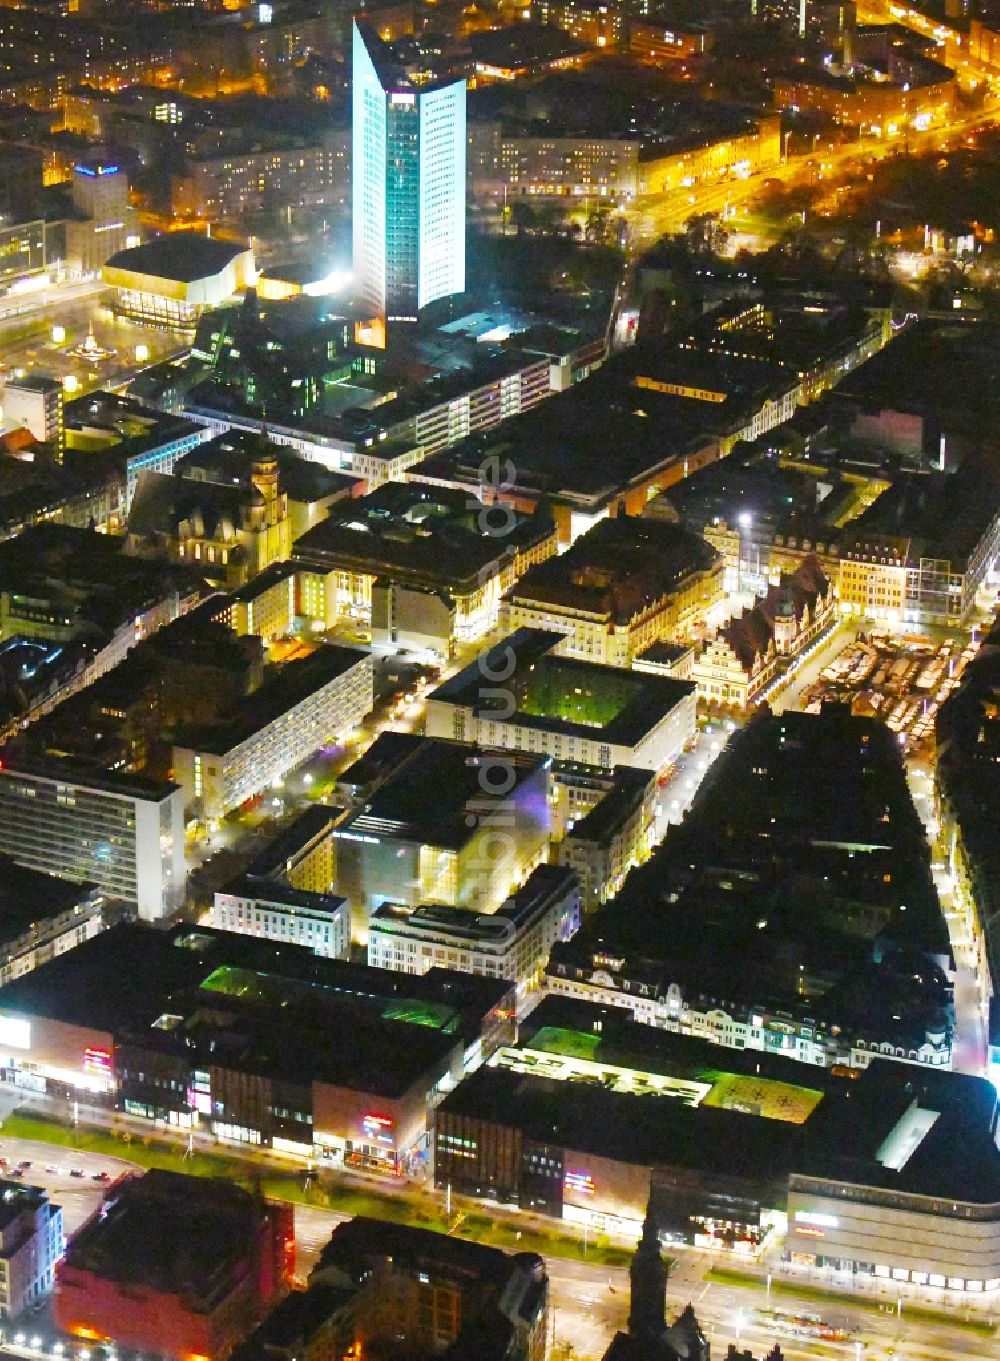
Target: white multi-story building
[[276, 911], [512, 943], [31, 1243], [577, 167], [286, 892], [408, 183], [232, 184], [123, 833], [309, 703], [35, 402]]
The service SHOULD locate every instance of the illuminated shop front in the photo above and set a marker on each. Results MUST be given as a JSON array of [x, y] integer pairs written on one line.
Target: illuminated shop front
[[893, 1236], [40, 1055]]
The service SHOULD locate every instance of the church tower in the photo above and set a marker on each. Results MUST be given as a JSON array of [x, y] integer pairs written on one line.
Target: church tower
[[647, 1317]]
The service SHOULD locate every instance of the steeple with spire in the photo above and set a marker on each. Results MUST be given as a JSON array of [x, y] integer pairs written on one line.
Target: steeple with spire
[[647, 1319], [648, 1337]]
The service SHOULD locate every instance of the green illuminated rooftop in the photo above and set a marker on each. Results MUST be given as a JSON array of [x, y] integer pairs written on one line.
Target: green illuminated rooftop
[[275, 991], [570, 1055], [593, 697], [434, 1015], [236, 982], [770, 1099], [573, 1044]]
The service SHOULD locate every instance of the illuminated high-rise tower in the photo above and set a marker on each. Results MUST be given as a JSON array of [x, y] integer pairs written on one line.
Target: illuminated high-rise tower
[[408, 183]]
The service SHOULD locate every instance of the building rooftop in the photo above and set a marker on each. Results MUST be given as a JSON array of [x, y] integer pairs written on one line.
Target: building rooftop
[[391, 72], [916, 373], [606, 818], [278, 890], [356, 1245], [523, 47], [783, 893], [171, 1233], [931, 515], [89, 575], [750, 632], [28, 897], [432, 536], [589, 445], [181, 256], [866, 1130], [277, 857], [270, 1006], [101, 419], [42, 383], [61, 770], [15, 1198], [286, 686], [496, 1290], [749, 490], [430, 790], [664, 654], [575, 1041], [590, 1119], [545, 883], [291, 1325], [229, 458], [263, 581], [564, 695], [618, 568]]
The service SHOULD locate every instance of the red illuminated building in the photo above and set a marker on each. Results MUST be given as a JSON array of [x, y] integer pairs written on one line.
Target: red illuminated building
[[176, 1265]]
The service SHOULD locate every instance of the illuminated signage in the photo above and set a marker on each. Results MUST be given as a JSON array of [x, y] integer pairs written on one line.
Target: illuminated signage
[[379, 1121], [405, 100], [96, 1061], [93, 171], [581, 1182], [375, 1127], [809, 1217], [15, 1034]]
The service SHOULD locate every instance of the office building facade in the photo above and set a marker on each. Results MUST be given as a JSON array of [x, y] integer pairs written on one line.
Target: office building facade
[[511, 943], [36, 403], [123, 833], [220, 769], [31, 1243], [408, 183]]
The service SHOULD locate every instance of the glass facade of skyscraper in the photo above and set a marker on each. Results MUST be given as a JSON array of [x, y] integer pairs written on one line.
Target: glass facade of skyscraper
[[408, 184]]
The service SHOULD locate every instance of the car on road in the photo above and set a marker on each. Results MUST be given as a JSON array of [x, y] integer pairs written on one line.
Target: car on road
[[77, 1172], [17, 1171], [101, 1176], [25, 1163]]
